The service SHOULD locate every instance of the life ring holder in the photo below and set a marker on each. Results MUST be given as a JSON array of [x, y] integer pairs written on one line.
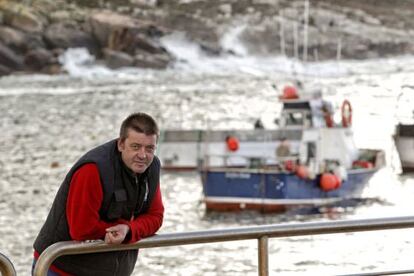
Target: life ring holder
[[346, 112]]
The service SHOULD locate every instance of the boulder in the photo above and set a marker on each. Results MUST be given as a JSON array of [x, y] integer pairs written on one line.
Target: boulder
[[105, 23], [130, 41], [39, 58], [34, 41], [60, 16], [13, 38], [147, 44], [65, 35], [22, 18], [9, 59], [4, 70], [116, 59], [154, 61]]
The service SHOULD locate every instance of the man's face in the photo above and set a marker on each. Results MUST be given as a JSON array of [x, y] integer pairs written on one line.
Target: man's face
[[137, 150]]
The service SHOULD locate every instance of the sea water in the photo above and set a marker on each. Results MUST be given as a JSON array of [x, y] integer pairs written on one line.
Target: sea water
[[47, 122]]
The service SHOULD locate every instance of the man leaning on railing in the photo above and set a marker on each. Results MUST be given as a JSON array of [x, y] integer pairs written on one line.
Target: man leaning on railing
[[111, 193]]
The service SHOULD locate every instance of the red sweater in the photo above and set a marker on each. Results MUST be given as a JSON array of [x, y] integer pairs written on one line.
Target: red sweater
[[82, 210]]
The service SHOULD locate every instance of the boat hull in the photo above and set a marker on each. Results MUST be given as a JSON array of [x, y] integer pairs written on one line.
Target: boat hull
[[230, 190]]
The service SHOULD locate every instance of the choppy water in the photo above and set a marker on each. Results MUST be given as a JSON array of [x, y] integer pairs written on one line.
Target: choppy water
[[47, 122]]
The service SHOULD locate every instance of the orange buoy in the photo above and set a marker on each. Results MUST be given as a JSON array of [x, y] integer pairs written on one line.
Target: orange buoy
[[290, 165], [232, 143], [338, 181], [290, 92], [328, 182], [346, 111], [302, 172]]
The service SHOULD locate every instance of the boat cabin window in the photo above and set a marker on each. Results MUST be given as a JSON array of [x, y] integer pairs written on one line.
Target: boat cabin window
[[296, 118]]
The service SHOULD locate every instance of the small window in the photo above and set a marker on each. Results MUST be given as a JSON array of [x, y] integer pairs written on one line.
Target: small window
[[294, 118]]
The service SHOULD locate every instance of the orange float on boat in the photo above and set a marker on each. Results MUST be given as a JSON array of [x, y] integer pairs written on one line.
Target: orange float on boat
[[290, 165], [232, 143], [289, 92], [302, 172], [329, 182], [338, 181]]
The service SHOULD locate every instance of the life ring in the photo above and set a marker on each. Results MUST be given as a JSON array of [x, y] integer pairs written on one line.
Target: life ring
[[232, 143], [346, 112]]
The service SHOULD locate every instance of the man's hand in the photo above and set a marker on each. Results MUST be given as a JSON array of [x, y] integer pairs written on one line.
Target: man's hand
[[116, 234]]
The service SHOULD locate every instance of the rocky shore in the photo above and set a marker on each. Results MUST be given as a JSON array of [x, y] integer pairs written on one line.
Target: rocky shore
[[122, 33]]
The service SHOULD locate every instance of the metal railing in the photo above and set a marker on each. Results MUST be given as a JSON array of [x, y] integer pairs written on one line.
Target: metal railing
[[261, 233], [6, 266]]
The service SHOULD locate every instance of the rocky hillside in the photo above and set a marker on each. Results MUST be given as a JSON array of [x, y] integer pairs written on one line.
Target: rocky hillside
[[33, 33]]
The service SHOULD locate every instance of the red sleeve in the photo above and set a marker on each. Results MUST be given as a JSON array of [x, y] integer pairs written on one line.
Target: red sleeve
[[83, 204], [147, 224]]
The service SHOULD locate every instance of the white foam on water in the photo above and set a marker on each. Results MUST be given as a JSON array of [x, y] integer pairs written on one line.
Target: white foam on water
[[78, 62]]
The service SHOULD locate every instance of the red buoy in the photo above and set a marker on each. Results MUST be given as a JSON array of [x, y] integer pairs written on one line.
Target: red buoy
[[302, 172], [338, 181], [328, 182], [289, 165], [290, 92], [232, 143]]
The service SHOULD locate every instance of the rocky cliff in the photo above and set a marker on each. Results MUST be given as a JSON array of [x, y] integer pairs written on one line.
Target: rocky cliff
[[33, 33]]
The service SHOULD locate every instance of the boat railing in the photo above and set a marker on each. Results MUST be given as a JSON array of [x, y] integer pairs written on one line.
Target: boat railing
[[249, 161], [6, 266], [260, 233]]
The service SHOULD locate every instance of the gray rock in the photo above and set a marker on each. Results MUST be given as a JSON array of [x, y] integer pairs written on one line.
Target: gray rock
[[107, 24], [116, 59], [155, 61], [60, 16], [4, 71], [23, 18], [9, 59], [103, 23], [13, 38], [37, 59], [130, 42], [64, 35], [34, 41]]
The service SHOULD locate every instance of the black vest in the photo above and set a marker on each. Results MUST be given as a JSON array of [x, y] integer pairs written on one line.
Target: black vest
[[114, 206]]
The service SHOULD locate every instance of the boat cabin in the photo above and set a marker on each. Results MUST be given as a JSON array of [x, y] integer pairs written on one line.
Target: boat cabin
[[306, 113]]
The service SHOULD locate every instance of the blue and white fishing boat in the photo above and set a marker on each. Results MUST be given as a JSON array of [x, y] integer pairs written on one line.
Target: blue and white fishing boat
[[323, 166], [180, 149]]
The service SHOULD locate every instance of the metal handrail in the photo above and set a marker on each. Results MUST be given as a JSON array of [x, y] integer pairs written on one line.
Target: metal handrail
[[6, 266], [261, 233]]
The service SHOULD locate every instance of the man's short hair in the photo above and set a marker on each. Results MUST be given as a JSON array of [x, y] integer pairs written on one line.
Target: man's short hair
[[140, 122]]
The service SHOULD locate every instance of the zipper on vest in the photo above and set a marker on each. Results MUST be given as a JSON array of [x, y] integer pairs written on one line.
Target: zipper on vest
[[137, 184], [145, 196]]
